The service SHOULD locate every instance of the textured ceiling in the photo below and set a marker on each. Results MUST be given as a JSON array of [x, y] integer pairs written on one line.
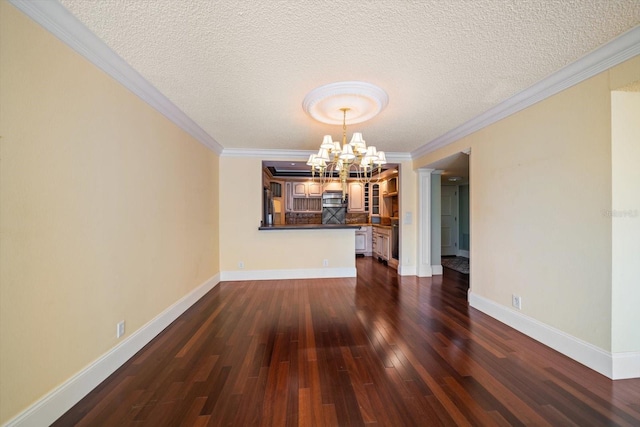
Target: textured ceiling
[[240, 69]]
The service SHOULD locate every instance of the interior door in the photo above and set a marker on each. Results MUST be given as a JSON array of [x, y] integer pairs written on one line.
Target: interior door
[[449, 224]]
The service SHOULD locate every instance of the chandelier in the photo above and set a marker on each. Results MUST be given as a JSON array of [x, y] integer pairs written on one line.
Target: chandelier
[[345, 161]]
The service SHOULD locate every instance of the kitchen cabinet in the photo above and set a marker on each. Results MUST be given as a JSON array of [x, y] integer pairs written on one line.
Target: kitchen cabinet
[[383, 187], [299, 189], [288, 200], [379, 206], [303, 196], [306, 189], [392, 186], [314, 189], [356, 197], [375, 199], [381, 241], [364, 241]]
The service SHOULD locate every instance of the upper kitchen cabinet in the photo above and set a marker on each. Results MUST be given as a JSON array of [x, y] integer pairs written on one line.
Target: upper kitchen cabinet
[[299, 189], [306, 189], [391, 188], [303, 196], [356, 197], [314, 189], [384, 197], [375, 199]]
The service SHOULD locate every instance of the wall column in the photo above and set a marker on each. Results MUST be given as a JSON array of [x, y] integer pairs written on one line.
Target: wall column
[[436, 222], [424, 223], [625, 234]]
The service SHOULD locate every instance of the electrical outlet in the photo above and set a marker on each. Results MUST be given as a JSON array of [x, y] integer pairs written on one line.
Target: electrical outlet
[[120, 329], [325, 263], [516, 301], [240, 265]]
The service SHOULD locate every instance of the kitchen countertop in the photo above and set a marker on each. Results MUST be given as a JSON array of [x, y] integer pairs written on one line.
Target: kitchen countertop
[[311, 227]]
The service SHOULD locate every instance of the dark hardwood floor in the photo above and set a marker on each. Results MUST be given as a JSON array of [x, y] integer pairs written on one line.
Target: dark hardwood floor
[[379, 350]]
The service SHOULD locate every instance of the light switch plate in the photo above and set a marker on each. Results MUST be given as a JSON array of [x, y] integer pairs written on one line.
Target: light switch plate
[[407, 218]]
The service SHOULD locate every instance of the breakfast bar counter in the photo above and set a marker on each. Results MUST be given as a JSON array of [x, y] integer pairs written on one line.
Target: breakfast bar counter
[[310, 227]]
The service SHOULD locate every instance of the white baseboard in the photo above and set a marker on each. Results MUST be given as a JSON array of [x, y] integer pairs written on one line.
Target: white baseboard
[[626, 365], [407, 270], [59, 400], [463, 253], [614, 366], [436, 270], [424, 270], [309, 273]]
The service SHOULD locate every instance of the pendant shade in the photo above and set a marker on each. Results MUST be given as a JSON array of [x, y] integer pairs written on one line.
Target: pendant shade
[[327, 143], [356, 139], [323, 154], [371, 153], [347, 153]]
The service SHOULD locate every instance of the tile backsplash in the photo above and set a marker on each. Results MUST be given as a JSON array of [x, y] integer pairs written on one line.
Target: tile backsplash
[[316, 218], [357, 218], [303, 218]]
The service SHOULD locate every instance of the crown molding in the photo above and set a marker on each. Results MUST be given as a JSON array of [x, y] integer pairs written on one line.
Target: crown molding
[[397, 157], [624, 47], [269, 154], [56, 19]]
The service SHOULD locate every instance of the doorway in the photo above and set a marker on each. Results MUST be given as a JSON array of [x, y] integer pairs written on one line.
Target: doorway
[[439, 230], [449, 220]]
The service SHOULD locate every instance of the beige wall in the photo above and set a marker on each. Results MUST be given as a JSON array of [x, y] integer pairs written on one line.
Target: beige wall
[[108, 212], [625, 217], [408, 200], [240, 215], [540, 182]]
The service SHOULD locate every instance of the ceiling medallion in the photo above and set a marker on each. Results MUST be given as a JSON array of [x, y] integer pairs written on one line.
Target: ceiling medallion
[[327, 103]]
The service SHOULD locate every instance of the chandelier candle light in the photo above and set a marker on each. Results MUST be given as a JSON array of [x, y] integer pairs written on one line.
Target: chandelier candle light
[[363, 101]]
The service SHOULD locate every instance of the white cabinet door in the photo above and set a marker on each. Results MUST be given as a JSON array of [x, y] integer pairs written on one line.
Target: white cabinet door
[[367, 231], [299, 189], [288, 203], [379, 245], [385, 248], [356, 197], [314, 189], [361, 242], [375, 199], [381, 236]]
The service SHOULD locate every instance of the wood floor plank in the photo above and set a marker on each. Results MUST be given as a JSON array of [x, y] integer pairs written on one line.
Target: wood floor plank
[[376, 350]]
